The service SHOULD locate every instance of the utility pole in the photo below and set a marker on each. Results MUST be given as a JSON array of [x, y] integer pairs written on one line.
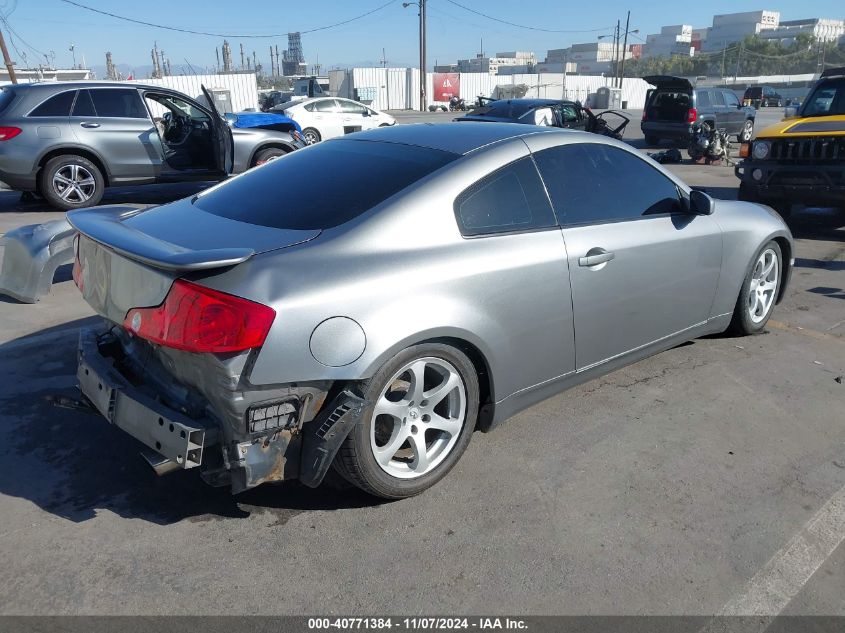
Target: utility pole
[[738, 60], [421, 5], [624, 49], [616, 53], [242, 56], [724, 51], [9, 65], [272, 63]]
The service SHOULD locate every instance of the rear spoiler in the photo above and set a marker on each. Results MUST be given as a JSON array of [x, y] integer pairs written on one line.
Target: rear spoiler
[[105, 225]]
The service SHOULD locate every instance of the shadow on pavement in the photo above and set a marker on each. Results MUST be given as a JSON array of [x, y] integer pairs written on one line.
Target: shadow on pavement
[[73, 464]]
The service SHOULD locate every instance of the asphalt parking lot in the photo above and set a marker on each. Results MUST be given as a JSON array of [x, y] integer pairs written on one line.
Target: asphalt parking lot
[[708, 479]]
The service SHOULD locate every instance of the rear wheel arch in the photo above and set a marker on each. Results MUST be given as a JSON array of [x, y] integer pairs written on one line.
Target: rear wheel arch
[[79, 151], [287, 149], [786, 258]]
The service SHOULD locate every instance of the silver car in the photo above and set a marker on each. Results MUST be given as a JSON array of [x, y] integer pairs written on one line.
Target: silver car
[[69, 141], [445, 278]]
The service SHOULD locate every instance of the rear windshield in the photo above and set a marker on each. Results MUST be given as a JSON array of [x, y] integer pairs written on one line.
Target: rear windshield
[[322, 186], [6, 97], [750, 93], [505, 109]]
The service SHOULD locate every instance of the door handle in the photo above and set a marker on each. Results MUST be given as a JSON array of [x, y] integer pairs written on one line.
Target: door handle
[[595, 256], [89, 124]]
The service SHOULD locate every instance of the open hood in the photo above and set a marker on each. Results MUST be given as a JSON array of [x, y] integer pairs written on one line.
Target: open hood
[[668, 81]]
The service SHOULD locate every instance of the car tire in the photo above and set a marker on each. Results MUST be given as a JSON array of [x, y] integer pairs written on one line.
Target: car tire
[[267, 154], [381, 455], [759, 291], [747, 131], [311, 136], [71, 182], [652, 140]]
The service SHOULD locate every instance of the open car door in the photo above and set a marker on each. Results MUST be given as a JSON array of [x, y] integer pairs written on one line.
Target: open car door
[[224, 144]]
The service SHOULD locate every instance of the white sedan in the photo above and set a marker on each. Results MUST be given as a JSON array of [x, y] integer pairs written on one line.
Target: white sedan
[[327, 117]]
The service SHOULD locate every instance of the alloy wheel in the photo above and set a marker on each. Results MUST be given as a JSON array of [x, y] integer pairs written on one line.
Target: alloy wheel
[[418, 418], [764, 283], [73, 183]]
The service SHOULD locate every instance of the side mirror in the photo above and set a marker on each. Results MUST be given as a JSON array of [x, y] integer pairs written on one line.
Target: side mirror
[[700, 203], [739, 106], [790, 112], [366, 112]]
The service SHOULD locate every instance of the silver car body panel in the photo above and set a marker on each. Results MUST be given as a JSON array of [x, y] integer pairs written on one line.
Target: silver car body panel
[[534, 319]]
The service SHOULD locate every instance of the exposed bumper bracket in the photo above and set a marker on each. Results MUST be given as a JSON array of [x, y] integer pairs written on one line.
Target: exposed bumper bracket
[[323, 436]]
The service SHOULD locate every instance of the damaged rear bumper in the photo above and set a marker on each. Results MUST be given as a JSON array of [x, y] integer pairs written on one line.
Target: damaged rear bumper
[[291, 436], [31, 256]]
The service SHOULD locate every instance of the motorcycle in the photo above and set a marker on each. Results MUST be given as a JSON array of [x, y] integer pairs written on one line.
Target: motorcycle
[[709, 144], [456, 103]]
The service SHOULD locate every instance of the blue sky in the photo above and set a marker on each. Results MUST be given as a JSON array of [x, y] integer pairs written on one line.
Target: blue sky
[[53, 25]]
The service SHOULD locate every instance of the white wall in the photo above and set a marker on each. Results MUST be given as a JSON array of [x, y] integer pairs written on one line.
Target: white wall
[[242, 86]]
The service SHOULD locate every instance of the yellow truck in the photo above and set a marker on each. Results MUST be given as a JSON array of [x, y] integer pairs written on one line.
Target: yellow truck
[[800, 160]]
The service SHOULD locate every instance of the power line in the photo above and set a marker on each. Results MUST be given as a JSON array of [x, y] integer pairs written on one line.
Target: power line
[[229, 35], [520, 26], [20, 39]]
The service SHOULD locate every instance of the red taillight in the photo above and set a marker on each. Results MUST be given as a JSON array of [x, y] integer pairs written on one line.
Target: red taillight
[[692, 115], [198, 319], [8, 132]]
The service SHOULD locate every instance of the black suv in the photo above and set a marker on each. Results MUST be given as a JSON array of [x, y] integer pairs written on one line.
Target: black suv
[[762, 97], [673, 106]]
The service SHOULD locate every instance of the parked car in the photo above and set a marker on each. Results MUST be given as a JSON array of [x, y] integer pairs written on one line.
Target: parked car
[[673, 106], [449, 277], [761, 97], [69, 141], [327, 117], [549, 112], [800, 160]]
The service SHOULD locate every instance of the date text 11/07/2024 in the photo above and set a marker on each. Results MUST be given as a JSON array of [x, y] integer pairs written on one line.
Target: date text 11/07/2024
[[417, 624]]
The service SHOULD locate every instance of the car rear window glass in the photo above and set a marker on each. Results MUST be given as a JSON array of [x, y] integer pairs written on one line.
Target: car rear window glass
[[359, 175], [508, 200], [84, 106], [119, 103], [590, 183], [703, 99], [57, 105], [718, 98], [506, 109], [326, 105]]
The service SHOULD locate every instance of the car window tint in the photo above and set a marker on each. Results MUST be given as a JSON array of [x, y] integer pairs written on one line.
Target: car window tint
[[84, 106], [309, 107], [363, 174], [593, 183], [510, 199], [730, 98], [325, 105], [569, 113], [703, 99], [350, 107], [119, 103], [57, 105], [718, 98]]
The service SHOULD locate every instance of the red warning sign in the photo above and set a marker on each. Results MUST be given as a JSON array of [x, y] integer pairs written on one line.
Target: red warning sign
[[446, 86]]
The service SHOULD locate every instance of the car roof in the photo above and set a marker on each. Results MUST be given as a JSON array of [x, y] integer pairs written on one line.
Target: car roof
[[531, 102], [447, 137]]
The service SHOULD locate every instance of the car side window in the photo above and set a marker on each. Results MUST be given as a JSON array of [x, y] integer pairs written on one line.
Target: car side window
[[57, 105], [510, 199], [84, 106], [718, 98], [591, 183], [118, 103], [350, 107], [569, 113], [326, 105], [702, 99], [309, 107], [730, 98]]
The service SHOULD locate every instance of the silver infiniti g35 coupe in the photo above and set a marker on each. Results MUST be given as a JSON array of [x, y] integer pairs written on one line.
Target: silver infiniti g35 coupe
[[442, 278]]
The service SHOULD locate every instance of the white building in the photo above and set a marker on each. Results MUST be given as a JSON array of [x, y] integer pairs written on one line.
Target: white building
[[730, 28], [31, 75], [491, 65], [672, 40], [822, 29], [591, 58]]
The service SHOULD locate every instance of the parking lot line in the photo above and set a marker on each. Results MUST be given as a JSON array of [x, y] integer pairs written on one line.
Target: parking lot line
[[779, 581]]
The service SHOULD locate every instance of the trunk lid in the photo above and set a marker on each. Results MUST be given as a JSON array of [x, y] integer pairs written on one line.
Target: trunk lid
[[129, 257], [669, 82]]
